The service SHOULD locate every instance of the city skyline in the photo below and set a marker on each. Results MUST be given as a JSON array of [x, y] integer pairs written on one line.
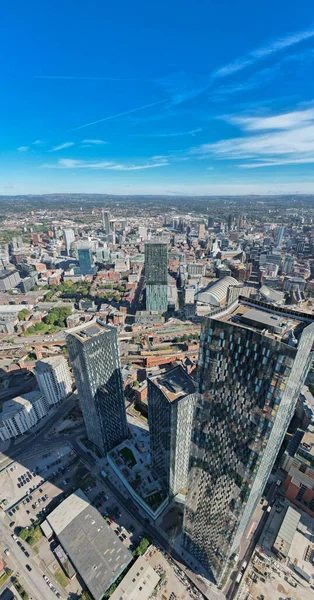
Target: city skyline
[[216, 100]]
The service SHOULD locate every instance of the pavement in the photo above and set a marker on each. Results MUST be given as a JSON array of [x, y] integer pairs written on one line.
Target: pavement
[[234, 586], [33, 580], [37, 443]]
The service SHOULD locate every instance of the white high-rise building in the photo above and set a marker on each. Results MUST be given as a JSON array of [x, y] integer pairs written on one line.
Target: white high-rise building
[[21, 414], [53, 378], [69, 237], [142, 232]]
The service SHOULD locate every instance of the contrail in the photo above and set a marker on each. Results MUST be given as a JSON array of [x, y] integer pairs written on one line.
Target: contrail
[[127, 112]]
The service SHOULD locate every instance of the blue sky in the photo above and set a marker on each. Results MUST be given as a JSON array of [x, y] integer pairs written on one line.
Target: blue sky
[[172, 97]]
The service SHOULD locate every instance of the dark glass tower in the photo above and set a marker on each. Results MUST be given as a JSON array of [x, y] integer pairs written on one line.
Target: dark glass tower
[[156, 272], [252, 364], [171, 401], [94, 353]]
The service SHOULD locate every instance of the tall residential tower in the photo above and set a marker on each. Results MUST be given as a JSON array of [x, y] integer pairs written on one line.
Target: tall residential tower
[[252, 363], [171, 401], [156, 272], [94, 353], [53, 378]]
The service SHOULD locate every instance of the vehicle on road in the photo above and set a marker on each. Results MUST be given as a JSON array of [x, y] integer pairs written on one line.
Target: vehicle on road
[[239, 577], [7, 552], [28, 567]]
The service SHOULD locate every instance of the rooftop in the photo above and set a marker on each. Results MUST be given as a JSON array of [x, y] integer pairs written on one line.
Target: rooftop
[[276, 324], [25, 401], [289, 525], [94, 549], [139, 582], [175, 383], [87, 331], [52, 361]]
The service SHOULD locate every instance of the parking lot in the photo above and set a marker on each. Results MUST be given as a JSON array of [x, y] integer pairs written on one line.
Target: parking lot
[[28, 491], [125, 526]]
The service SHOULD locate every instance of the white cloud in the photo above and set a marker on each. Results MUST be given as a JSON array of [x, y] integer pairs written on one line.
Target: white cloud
[[68, 163], [62, 146], [287, 139], [284, 121], [96, 142], [262, 52], [23, 148], [38, 142]]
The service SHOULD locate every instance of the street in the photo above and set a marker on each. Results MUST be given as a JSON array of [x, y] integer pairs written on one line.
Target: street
[[33, 580], [247, 557]]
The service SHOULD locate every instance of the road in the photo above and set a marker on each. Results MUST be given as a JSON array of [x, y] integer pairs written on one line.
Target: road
[[255, 537], [34, 582], [153, 533], [26, 448]]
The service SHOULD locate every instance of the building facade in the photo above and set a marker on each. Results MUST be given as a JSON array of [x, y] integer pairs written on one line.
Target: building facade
[[252, 363], [94, 353], [171, 401], [20, 414], [69, 237], [156, 272], [53, 378], [106, 221], [85, 257]]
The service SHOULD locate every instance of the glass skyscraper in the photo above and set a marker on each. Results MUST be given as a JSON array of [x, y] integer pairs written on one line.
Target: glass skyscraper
[[156, 272], [94, 353], [171, 401], [252, 363], [85, 257]]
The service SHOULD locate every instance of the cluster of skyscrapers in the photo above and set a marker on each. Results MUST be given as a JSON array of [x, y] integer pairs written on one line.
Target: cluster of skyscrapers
[[215, 443]]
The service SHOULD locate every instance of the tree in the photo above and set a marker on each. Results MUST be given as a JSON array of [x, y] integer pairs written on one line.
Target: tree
[[142, 547], [58, 316], [22, 314]]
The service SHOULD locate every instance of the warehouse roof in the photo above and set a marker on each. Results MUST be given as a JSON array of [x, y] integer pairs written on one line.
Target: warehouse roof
[[94, 549]]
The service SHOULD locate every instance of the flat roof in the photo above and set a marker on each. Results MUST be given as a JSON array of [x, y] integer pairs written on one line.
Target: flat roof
[[25, 401], [139, 582], [87, 331], [175, 383], [94, 549], [289, 525], [70, 508], [257, 319]]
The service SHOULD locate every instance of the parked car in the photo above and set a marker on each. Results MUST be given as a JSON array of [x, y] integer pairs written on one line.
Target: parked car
[[28, 567]]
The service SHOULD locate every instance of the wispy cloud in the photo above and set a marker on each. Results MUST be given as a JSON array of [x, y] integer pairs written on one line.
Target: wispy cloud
[[263, 52], [122, 114], [286, 139], [284, 121], [38, 142], [23, 148], [62, 146], [96, 142], [263, 76], [170, 134], [68, 163]]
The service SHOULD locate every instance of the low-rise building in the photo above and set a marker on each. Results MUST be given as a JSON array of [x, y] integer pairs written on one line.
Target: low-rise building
[[95, 551], [138, 584]]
